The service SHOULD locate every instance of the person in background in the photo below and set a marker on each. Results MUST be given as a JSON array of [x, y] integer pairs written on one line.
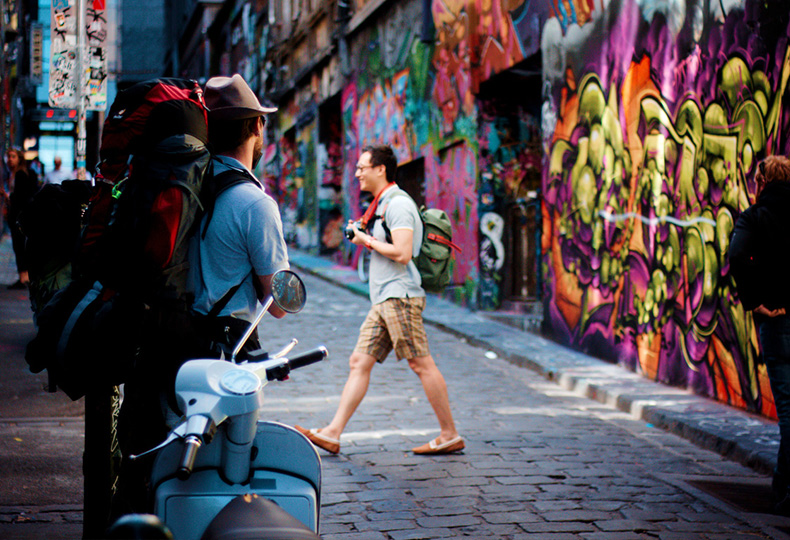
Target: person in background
[[394, 321], [23, 184], [57, 174], [759, 257]]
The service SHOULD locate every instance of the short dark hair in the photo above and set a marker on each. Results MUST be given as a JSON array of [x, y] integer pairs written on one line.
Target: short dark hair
[[226, 135], [382, 154]]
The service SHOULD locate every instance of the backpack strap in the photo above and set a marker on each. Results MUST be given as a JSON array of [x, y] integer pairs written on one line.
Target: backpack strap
[[387, 232], [221, 183], [222, 302], [217, 185]]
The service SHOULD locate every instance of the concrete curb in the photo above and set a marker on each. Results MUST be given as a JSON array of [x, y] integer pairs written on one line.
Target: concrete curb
[[734, 434]]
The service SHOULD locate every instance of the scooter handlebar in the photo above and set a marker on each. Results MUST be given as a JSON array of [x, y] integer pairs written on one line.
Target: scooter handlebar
[[280, 371], [310, 357], [191, 445]]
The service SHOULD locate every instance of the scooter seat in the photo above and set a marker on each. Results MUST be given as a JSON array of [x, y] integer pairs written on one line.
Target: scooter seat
[[249, 517]]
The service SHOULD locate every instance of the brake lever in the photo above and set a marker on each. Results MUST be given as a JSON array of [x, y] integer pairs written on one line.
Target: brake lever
[[257, 357], [286, 349], [177, 433]]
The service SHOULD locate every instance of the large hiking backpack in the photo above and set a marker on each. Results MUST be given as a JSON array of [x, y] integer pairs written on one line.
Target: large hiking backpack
[[130, 268], [435, 259]]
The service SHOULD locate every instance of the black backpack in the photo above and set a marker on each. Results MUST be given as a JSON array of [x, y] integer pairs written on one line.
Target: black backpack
[[129, 269], [52, 223]]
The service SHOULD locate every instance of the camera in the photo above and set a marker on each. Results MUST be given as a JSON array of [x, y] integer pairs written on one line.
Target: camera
[[350, 229]]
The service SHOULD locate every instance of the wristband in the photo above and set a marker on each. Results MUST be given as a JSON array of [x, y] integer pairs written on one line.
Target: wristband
[[369, 242]]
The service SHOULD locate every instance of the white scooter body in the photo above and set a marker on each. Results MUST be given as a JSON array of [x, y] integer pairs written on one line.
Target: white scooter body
[[221, 450]]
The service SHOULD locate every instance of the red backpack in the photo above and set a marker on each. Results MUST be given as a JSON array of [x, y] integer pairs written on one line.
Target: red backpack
[[130, 267]]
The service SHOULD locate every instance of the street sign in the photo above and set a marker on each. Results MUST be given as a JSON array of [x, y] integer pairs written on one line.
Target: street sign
[[36, 52]]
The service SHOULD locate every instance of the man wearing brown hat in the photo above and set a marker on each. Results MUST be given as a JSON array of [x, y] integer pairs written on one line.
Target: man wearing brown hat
[[240, 244], [239, 247]]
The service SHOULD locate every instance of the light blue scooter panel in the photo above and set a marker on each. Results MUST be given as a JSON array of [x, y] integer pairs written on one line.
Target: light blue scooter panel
[[286, 469]]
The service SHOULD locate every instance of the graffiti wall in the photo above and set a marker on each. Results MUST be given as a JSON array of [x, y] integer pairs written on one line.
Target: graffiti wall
[[655, 115], [416, 98], [290, 184], [475, 41]]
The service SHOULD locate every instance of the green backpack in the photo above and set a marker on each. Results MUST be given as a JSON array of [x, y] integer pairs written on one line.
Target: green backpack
[[435, 260]]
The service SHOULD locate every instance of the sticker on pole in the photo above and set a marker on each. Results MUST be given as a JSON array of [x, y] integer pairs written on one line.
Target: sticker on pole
[[74, 78]]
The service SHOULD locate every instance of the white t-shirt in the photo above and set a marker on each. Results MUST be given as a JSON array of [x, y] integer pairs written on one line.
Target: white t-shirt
[[58, 176]]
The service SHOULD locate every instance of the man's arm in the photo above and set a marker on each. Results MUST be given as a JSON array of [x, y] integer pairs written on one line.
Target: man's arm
[[399, 250], [266, 287]]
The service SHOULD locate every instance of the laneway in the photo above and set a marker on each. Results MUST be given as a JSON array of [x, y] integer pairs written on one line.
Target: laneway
[[540, 461]]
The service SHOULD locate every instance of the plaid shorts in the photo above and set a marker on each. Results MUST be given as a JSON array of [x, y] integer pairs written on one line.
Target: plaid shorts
[[396, 323]]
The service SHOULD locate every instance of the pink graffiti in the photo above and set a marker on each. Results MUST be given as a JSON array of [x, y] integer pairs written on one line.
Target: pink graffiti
[[381, 117], [451, 185]]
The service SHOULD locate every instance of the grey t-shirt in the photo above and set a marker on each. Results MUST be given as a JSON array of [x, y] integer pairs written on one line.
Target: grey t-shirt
[[244, 240], [390, 279]]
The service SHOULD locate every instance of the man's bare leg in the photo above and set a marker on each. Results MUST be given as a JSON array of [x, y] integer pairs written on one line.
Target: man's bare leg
[[436, 391], [361, 365]]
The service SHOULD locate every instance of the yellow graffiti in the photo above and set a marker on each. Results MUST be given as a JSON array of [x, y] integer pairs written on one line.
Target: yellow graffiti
[[677, 176]]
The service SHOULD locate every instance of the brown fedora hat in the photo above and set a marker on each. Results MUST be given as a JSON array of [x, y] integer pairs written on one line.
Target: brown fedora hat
[[230, 98]]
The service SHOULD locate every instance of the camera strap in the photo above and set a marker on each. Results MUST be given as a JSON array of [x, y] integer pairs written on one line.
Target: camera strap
[[371, 211]]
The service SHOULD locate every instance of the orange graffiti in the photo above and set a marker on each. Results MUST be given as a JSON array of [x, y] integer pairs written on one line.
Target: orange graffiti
[[649, 349], [636, 86], [728, 384]]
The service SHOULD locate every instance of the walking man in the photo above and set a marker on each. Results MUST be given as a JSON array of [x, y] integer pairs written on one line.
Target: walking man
[[394, 321]]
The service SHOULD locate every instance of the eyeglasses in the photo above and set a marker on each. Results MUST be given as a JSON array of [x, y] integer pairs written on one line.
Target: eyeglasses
[[361, 168]]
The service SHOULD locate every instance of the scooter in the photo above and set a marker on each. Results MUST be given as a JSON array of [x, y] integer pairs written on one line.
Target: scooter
[[222, 472]]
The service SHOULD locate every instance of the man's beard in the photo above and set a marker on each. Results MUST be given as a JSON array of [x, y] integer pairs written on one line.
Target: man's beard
[[257, 152]]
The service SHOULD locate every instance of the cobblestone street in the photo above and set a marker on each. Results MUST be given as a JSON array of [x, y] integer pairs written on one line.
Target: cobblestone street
[[540, 463]]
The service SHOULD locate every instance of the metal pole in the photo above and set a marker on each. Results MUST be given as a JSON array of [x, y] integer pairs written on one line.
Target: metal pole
[[3, 9], [81, 130]]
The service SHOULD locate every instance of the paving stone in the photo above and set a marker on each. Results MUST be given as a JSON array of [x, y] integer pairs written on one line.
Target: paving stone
[[511, 517], [566, 526], [575, 515], [387, 525], [422, 534], [615, 536], [365, 535], [449, 521], [626, 525]]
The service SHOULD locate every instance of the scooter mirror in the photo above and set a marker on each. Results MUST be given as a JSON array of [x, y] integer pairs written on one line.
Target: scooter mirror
[[288, 291]]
